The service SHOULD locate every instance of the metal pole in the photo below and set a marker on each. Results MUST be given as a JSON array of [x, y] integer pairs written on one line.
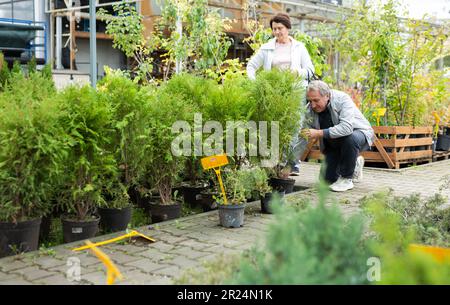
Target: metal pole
[[58, 43], [93, 43], [179, 27]]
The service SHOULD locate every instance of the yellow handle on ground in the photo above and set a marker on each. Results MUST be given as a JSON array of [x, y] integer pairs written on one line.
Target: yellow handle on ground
[[112, 272], [105, 242]]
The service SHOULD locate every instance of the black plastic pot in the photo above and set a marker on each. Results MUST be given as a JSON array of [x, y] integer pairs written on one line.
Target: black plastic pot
[[45, 227], [281, 184], [136, 198], [113, 220], [19, 237], [191, 194], [78, 230], [207, 201], [266, 202], [163, 212], [231, 215], [443, 142]]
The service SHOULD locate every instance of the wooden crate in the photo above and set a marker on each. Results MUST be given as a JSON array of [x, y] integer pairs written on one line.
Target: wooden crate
[[393, 145]]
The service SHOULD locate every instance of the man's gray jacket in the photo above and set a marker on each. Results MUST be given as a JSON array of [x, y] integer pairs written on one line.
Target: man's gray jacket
[[346, 118]]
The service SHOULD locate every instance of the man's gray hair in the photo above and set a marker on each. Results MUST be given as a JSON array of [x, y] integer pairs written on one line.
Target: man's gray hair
[[321, 86]]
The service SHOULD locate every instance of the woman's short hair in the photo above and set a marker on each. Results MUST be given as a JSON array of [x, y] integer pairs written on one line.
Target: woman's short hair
[[321, 86], [281, 18]]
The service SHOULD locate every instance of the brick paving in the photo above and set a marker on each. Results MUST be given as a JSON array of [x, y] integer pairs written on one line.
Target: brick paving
[[191, 241]]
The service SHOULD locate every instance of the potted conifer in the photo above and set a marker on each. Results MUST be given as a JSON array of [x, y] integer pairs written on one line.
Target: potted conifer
[[164, 161], [32, 148], [278, 96], [130, 107], [89, 165]]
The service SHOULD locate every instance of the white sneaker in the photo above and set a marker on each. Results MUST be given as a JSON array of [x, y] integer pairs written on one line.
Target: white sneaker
[[358, 173], [342, 185]]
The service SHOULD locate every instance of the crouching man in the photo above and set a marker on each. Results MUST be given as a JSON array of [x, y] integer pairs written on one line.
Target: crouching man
[[343, 132]]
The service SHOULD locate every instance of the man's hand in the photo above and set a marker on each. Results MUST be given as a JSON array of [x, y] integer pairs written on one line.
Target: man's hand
[[313, 133]]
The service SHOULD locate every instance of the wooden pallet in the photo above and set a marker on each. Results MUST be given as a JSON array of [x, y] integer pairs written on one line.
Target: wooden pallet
[[393, 145], [441, 155]]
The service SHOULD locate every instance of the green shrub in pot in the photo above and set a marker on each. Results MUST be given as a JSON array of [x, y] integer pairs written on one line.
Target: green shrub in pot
[[31, 157], [89, 164], [239, 185], [279, 97], [162, 163], [130, 110]]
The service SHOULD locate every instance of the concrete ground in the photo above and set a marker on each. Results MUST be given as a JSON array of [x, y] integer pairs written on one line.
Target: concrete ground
[[191, 241]]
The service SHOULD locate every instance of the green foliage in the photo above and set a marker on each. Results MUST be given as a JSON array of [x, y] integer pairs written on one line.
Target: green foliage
[[314, 46], [229, 70], [139, 218], [89, 164], [427, 218], [239, 185], [32, 66], [166, 107], [127, 30], [278, 98], [261, 181], [315, 246], [4, 71], [395, 226], [130, 110], [203, 40], [390, 56], [33, 87], [31, 155]]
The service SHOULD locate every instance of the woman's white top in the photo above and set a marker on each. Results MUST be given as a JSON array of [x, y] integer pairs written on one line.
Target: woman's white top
[[300, 61], [282, 55]]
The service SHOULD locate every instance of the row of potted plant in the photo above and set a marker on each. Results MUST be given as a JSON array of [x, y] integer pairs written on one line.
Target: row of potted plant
[[83, 152]]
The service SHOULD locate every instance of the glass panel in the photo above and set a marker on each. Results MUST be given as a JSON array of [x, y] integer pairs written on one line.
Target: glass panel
[[5, 10], [24, 10]]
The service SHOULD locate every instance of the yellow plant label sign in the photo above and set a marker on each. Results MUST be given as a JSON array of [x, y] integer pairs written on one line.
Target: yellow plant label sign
[[214, 161]]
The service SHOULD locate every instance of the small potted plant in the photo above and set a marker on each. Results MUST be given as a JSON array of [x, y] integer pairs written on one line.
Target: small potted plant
[[31, 153], [263, 189], [238, 185]]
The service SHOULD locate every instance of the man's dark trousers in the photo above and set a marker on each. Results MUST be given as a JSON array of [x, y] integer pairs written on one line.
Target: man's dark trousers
[[341, 154]]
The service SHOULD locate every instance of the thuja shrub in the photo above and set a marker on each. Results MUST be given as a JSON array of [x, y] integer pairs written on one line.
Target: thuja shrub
[[279, 97], [31, 157], [163, 159], [427, 217], [130, 114], [89, 165], [392, 238], [314, 246], [30, 87]]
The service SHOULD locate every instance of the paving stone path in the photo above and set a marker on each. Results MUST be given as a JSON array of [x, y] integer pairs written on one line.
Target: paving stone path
[[191, 241]]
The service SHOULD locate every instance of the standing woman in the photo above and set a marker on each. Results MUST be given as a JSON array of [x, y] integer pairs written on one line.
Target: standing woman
[[284, 52]]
